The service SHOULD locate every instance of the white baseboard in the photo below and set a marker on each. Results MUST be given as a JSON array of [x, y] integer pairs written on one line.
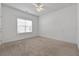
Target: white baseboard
[[15, 39], [37, 37], [65, 42], [56, 39]]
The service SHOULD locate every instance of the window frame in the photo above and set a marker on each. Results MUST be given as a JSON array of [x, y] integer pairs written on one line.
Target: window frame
[[25, 30]]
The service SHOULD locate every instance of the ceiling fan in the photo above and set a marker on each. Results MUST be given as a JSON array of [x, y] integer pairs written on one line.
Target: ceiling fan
[[39, 6]]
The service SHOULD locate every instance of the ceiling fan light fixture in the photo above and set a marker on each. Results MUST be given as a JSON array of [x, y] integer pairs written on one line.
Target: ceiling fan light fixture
[[39, 9], [39, 6]]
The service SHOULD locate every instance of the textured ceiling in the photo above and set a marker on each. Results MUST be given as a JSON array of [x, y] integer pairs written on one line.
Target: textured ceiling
[[48, 7]]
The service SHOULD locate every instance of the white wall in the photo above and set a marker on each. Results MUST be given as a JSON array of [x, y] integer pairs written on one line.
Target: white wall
[[60, 25], [78, 25], [10, 16], [0, 25]]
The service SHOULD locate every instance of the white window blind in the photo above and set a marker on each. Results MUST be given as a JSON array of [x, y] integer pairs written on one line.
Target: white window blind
[[24, 26]]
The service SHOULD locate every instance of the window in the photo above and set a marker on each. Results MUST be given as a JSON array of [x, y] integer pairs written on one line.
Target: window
[[24, 26]]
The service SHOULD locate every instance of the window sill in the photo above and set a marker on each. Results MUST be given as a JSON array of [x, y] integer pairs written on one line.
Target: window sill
[[24, 33]]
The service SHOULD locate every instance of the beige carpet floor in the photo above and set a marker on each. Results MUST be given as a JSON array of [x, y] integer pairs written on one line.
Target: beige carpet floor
[[38, 46]]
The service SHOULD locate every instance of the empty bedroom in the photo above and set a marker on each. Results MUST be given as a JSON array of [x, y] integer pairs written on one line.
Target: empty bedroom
[[39, 29]]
